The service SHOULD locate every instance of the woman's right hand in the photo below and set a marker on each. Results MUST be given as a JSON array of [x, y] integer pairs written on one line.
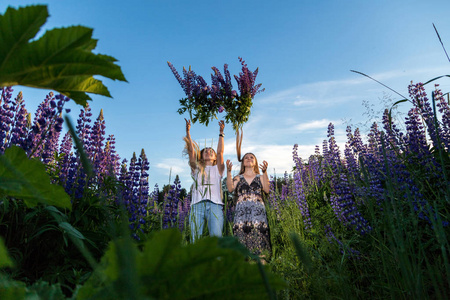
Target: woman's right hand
[[229, 165]]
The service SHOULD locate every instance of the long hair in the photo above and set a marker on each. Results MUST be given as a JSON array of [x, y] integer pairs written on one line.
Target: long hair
[[255, 167], [239, 144], [199, 161], [197, 153]]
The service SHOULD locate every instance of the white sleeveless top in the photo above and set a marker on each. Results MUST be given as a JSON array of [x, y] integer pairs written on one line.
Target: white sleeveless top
[[207, 186]]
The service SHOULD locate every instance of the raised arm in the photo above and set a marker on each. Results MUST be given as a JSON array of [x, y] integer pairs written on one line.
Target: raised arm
[[190, 146], [220, 146], [265, 178], [231, 182]]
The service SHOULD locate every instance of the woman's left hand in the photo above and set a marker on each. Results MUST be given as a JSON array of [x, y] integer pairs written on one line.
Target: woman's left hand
[[263, 166], [221, 125]]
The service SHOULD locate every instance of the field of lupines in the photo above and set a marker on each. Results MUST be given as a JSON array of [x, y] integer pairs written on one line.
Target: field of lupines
[[79, 222], [367, 221]]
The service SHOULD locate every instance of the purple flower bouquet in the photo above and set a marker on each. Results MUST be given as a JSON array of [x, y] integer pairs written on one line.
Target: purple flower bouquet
[[204, 102]]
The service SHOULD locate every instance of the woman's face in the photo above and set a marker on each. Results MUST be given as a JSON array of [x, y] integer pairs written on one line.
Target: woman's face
[[208, 154], [249, 160]]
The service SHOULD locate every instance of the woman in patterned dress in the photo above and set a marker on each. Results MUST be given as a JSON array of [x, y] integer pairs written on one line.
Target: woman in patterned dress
[[250, 220]]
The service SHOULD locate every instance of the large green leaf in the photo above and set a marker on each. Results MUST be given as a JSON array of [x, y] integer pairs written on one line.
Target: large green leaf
[[166, 269], [26, 179], [16, 31], [60, 60]]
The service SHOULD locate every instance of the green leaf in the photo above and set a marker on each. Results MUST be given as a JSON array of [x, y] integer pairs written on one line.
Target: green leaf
[[17, 27], [13, 290], [301, 251], [26, 179], [71, 230], [166, 269], [61, 60], [436, 78], [5, 260]]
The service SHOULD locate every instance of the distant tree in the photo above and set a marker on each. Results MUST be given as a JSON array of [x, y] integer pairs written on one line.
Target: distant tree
[[165, 189]]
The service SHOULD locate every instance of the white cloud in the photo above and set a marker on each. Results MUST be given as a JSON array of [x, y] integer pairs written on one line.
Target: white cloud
[[355, 87], [175, 164], [279, 157], [315, 124]]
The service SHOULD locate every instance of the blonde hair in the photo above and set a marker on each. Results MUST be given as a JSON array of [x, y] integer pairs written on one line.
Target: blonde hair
[[197, 153], [255, 167]]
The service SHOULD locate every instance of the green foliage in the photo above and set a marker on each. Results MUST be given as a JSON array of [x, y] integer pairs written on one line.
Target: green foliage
[[56, 246], [12, 290], [212, 268], [5, 260], [16, 290], [60, 60], [238, 110], [26, 179]]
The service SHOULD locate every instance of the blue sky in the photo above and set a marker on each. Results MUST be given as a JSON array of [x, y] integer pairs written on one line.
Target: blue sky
[[304, 51]]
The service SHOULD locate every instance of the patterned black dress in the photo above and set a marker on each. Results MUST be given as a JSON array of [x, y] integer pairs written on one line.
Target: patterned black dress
[[250, 220]]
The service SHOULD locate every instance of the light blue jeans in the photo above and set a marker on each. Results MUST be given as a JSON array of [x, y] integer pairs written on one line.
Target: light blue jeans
[[208, 211]]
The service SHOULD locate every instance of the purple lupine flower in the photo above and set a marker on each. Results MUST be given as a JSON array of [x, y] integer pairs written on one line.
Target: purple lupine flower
[[273, 197], [350, 157], [6, 117], [200, 90], [60, 106], [71, 182], [286, 189], [83, 127], [110, 164], [184, 207], [444, 110], [315, 172], [299, 189], [95, 147], [422, 104], [43, 136], [221, 87], [246, 81], [374, 181], [65, 151], [171, 204], [133, 183], [143, 189], [124, 193], [167, 213], [397, 174], [392, 134], [416, 141], [193, 85], [18, 130], [153, 200], [342, 199], [42, 129], [134, 192]]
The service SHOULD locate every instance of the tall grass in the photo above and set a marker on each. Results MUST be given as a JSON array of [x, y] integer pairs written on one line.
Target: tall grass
[[379, 215]]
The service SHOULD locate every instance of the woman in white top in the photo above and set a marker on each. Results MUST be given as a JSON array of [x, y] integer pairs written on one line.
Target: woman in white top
[[207, 169]]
